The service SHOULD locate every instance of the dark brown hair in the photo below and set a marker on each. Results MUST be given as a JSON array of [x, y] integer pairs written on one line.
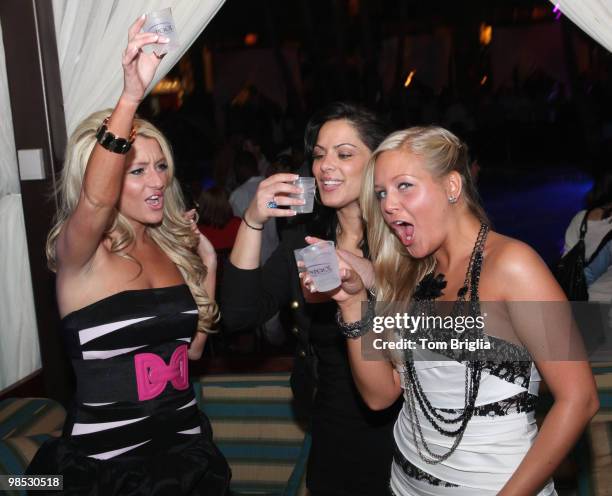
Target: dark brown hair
[[215, 208]]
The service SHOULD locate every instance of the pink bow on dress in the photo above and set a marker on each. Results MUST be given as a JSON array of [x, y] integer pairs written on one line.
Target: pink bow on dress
[[152, 373]]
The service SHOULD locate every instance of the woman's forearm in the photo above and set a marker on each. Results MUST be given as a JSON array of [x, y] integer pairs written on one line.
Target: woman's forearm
[[247, 247], [376, 381], [196, 348], [105, 170], [561, 428]]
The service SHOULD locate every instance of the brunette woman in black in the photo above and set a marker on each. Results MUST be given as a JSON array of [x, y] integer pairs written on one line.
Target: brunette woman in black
[[351, 445]]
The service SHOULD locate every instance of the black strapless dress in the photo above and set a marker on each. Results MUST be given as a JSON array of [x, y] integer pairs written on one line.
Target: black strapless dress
[[135, 427]]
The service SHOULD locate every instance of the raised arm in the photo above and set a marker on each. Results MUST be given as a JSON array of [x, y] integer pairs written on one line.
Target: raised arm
[[247, 247], [82, 232]]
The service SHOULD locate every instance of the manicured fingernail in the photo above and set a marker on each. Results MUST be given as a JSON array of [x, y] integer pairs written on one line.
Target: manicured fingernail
[[163, 39], [143, 16]]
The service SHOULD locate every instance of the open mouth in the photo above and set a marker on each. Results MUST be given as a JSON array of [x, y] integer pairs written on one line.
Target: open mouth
[[404, 231], [330, 184], [156, 202]]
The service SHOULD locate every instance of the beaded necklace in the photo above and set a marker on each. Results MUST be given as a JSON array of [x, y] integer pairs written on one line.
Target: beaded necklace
[[428, 290]]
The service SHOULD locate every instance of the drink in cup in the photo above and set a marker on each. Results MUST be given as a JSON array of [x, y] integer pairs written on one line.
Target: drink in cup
[[162, 23], [299, 260], [308, 186], [322, 265]]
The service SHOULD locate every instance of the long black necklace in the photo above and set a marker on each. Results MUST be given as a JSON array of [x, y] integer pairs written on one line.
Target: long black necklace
[[429, 289]]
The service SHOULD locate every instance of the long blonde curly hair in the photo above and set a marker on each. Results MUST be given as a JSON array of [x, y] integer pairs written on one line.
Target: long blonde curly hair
[[174, 235], [397, 273]]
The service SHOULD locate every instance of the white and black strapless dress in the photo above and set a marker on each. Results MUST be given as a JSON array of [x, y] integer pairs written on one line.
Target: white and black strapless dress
[[497, 425], [496, 439], [134, 427]]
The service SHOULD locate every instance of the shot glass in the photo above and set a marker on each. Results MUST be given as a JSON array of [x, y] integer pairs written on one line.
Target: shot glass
[[322, 265], [162, 23], [299, 260], [308, 186]]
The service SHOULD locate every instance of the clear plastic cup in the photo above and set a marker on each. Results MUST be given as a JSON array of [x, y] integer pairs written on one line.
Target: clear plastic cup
[[162, 23], [299, 260], [322, 265], [308, 186]]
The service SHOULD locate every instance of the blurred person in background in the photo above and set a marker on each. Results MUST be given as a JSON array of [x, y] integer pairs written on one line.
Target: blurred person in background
[[598, 223]]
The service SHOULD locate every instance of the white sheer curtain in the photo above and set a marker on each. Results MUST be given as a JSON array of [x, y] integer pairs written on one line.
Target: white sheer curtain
[[91, 35], [594, 17], [19, 351]]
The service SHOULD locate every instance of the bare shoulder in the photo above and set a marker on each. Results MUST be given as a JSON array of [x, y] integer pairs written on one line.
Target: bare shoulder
[[509, 255], [517, 270]]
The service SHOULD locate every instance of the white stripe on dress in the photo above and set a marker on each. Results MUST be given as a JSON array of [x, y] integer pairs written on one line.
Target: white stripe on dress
[[86, 335], [110, 454], [191, 311], [195, 430], [79, 428], [192, 402], [103, 354]]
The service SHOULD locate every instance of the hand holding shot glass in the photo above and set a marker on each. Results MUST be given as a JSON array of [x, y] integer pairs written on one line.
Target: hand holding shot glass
[[321, 265], [162, 23], [280, 195], [308, 191]]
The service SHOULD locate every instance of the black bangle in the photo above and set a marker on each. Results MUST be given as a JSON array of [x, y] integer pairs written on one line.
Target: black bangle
[[354, 330], [110, 142], [249, 225]]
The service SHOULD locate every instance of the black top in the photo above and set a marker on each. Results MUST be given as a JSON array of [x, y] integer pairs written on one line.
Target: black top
[[351, 445], [117, 438]]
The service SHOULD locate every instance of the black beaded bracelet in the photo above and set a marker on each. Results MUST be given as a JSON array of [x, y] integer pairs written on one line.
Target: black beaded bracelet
[[254, 228], [354, 330]]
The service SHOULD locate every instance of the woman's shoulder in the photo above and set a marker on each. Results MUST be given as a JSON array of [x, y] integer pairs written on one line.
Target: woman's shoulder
[[517, 270], [507, 250]]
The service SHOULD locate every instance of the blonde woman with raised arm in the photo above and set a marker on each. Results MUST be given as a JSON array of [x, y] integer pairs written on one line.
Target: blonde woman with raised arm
[[135, 290]]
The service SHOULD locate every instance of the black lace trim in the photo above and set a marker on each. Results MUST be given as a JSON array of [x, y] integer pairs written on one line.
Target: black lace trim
[[514, 372], [519, 403], [415, 472]]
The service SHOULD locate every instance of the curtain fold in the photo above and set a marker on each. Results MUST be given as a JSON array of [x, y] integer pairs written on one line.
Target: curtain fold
[[594, 17], [19, 350], [9, 173], [91, 36]]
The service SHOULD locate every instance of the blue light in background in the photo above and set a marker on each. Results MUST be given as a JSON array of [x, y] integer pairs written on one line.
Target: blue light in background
[[535, 207]]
